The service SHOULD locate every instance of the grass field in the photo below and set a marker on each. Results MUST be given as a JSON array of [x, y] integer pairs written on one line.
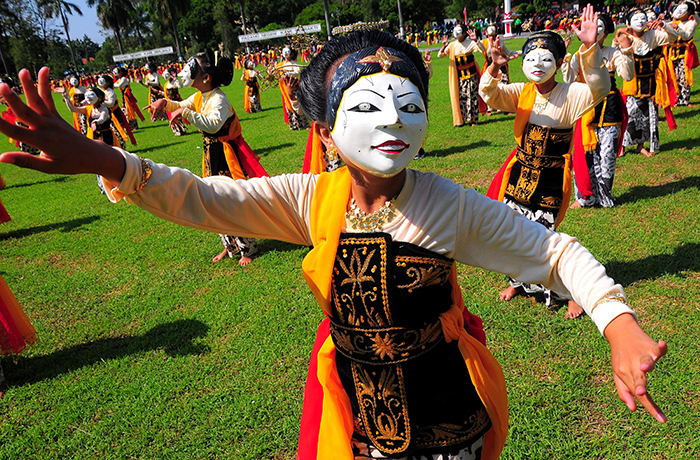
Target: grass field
[[148, 350]]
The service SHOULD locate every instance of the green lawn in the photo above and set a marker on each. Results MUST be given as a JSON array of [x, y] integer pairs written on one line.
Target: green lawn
[[148, 350]]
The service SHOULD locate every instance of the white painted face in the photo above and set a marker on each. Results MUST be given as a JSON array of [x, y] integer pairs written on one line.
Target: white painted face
[[102, 82], [74, 81], [115, 71], [638, 22], [539, 65], [286, 52], [166, 75], [147, 68], [381, 124], [90, 97], [457, 31], [186, 76], [491, 31], [601, 30], [680, 11], [651, 16]]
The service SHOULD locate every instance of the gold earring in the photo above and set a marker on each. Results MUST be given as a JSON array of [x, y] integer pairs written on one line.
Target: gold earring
[[332, 152]]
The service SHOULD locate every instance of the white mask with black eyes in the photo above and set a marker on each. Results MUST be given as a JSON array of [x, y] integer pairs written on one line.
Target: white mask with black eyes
[[680, 11], [381, 124], [539, 65], [638, 22]]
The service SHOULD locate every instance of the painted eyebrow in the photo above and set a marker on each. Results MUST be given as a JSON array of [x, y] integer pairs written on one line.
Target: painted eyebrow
[[405, 94], [371, 91]]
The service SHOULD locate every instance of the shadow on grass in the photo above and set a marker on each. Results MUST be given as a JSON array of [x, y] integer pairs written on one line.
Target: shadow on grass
[[66, 226], [31, 184], [678, 114], [685, 257], [495, 117], [175, 338], [643, 192], [157, 147], [266, 150], [457, 149], [277, 245], [678, 144]]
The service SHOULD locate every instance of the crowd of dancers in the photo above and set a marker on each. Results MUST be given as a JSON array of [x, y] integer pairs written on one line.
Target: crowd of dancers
[[567, 134]]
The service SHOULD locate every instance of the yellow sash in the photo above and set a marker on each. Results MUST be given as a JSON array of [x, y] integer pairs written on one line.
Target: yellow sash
[[327, 221]]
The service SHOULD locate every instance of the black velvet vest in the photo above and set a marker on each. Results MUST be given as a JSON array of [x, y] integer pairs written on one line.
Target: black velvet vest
[[409, 389]]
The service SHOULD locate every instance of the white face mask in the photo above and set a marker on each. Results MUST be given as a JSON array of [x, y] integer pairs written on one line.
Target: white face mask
[[381, 124], [74, 81], [638, 22], [115, 71], [166, 75], [539, 65], [186, 76], [491, 31], [90, 97], [457, 32], [101, 81], [601, 30], [680, 11], [651, 16], [147, 68]]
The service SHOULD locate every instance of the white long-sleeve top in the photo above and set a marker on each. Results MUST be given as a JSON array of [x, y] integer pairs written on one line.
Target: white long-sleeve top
[[174, 83], [465, 47], [431, 212], [616, 60], [567, 101], [216, 109], [123, 82], [110, 98], [686, 29], [653, 39]]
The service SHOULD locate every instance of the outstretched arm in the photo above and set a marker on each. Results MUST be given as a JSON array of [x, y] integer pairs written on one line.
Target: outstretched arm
[[63, 149]]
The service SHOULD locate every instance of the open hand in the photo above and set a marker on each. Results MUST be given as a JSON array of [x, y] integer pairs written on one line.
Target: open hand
[[64, 150], [633, 354], [587, 32], [176, 116]]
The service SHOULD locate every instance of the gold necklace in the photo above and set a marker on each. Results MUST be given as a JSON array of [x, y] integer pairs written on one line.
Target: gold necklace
[[372, 222]]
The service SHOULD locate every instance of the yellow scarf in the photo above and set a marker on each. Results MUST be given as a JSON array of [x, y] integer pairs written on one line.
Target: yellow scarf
[[327, 221]]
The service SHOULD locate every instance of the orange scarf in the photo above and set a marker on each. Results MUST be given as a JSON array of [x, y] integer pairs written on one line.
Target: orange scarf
[[336, 426]]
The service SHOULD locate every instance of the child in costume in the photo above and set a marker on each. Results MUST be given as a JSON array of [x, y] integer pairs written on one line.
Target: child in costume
[[226, 153], [535, 181], [602, 127], [683, 53], [649, 88], [400, 367], [463, 75]]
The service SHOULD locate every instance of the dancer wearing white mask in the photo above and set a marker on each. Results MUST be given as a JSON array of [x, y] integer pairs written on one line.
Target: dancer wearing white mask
[[384, 273], [463, 74], [642, 92], [172, 93], [683, 53], [536, 179], [226, 153], [602, 126]]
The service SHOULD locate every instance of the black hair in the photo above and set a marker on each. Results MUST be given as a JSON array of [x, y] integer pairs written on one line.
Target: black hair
[[221, 73], [293, 54], [315, 78], [608, 23], [109, 80], [546, 39]]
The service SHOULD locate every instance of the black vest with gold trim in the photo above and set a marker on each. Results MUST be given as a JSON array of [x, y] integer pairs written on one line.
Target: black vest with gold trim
[[537, 177], [215, 163], [409, 389], [677, 49], [466, 66], [645, 72], [172, 94], [608, 112]]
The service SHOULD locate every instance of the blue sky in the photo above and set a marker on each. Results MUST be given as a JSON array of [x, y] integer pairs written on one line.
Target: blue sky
[[87, 24]]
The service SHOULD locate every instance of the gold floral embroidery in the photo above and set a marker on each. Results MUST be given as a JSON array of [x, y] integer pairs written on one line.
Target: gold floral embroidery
[[612, 296]]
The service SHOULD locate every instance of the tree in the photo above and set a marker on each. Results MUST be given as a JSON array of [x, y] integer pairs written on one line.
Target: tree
[[169, 12], [61, 8], [114, 15]]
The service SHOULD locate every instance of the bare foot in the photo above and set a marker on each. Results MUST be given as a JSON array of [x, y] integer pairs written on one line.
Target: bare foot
[[488, 114], [575, 205], [508, 293], [473, 124], [646, 153], [218, 257], [245, 260], [574, 310]]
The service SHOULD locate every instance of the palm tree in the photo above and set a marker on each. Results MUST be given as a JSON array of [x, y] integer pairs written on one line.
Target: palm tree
[[114, 14], [139, 22], [61, 8], [6, 13], [169, 12]]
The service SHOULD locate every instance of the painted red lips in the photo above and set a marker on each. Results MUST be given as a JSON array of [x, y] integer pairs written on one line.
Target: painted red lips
[[392, 147]]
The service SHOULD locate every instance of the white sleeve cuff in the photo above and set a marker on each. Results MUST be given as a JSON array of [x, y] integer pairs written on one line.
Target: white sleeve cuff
[[605, 312]]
